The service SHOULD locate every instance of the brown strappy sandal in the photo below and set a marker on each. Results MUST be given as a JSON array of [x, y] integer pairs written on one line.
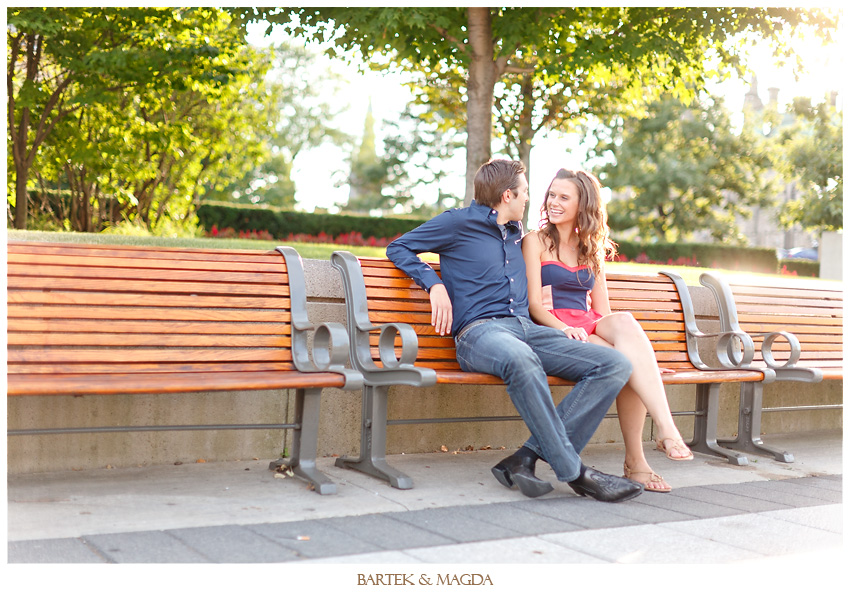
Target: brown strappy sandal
[[677, 444], [653, 477]]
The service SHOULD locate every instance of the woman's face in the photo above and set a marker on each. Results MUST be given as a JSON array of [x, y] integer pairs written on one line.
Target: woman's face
[[562, 202]]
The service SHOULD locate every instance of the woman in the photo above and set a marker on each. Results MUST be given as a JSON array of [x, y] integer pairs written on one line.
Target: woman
[[567, 291]]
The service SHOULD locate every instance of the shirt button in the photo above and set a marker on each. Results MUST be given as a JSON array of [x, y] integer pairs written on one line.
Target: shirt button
[[512, 280]]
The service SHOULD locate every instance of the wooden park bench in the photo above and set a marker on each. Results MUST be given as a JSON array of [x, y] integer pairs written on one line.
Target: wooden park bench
[[393, 343], [94, 319], [792, 328]]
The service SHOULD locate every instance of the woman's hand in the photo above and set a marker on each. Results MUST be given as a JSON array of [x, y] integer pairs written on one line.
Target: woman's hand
[[575, 333]]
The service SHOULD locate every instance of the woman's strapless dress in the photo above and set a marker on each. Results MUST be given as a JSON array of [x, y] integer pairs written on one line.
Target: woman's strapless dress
[[566, 294]]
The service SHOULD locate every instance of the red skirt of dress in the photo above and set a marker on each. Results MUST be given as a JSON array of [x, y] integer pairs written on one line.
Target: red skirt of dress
[[586, 319]]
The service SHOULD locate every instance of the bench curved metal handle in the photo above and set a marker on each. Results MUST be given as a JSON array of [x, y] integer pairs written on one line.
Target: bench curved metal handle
[[735, 348], [767, 349], [330, 340], [393, 370], [732, 353], [387, 348], [727, 310]]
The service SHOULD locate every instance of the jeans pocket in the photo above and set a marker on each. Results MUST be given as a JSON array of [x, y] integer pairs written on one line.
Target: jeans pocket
[[466, 329], [463, 347]]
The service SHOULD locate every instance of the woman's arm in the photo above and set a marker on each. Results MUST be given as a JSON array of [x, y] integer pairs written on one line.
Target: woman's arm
[[532, 252], [599, 294]]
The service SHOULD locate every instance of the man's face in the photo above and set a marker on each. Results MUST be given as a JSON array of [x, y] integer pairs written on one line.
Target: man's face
[[518, 200]]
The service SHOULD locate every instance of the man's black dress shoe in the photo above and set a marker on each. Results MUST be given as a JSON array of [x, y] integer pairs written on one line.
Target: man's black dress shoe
[[605, 487], [518, 469]]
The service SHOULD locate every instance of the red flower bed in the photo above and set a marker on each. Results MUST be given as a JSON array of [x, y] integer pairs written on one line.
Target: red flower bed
[[349, 239]]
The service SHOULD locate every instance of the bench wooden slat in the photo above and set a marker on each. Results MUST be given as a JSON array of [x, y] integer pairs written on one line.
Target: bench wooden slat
[[146, 263], [798, 313], [144, 367], [145, 326], [814, 329], [679, 378], [151, 355], [164, 254], [174, 274], [159, 339], [108, 384], [145, 286], [823, 289], [94, 301]]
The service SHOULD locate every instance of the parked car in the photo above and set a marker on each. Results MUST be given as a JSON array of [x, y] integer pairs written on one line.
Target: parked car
[[810, 254]]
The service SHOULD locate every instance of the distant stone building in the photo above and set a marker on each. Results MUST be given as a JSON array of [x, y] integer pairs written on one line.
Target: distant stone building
[[763, 229]]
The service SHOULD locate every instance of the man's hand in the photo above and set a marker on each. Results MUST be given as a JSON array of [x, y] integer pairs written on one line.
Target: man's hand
[[441, 309]]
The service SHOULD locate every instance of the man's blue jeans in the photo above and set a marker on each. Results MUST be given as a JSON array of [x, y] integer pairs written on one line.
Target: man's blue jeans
[[522, 353]]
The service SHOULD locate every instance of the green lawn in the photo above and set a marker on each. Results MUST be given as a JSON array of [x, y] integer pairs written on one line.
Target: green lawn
[[315, 251]]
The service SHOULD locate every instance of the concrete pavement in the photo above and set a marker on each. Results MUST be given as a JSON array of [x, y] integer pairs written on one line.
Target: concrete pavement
[[457, 517]]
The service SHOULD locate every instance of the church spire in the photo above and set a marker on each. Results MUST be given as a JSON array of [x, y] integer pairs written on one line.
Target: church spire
[[752, 101]]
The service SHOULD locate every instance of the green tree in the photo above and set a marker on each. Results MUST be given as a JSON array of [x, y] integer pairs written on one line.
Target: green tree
[[682, 169], [294, 111], [63, 61], [368, 172], [477, 45], [418, 153], [812, 155]]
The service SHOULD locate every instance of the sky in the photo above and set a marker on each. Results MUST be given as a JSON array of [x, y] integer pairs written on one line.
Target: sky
[[316, 171]]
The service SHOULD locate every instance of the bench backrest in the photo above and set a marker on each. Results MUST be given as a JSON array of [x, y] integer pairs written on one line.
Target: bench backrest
[[812, 310], [393, 297], [84, 309]]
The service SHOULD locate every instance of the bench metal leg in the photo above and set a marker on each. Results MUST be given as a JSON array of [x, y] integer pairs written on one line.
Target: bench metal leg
[[749, 425], [705, 425], [373, 441], [305, 439]]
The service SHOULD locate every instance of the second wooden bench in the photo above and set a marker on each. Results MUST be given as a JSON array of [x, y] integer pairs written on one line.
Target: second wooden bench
[[393, 343]]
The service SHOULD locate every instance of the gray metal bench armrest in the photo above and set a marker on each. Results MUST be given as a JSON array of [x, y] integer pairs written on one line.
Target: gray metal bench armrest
[[395, 370], [330, 340], [735, 349], [729, 323]]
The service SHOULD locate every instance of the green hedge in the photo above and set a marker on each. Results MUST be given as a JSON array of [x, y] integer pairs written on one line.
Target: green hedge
[[281, 224], [716, 256]]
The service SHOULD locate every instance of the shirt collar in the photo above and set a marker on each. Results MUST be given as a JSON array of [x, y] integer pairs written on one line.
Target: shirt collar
[[491, 214]]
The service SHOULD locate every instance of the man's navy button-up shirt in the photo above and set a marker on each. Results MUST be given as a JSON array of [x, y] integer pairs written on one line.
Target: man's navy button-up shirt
[[480, 262]]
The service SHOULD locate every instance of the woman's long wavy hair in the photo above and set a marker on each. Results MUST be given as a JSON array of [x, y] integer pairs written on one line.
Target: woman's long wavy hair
[[594, 245]]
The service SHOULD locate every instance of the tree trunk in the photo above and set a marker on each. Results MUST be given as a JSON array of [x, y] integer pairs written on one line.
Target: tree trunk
[[479, 90], [526, 137], [20, 132], [21, 197]]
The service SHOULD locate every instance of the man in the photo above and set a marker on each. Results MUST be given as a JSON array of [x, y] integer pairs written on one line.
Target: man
[[482, 301]]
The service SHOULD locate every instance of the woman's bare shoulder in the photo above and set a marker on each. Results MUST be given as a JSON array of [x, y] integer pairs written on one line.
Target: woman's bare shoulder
[[533, 238]]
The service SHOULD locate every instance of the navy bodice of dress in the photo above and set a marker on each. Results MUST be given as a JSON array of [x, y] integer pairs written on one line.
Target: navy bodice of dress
[[570, 286]]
